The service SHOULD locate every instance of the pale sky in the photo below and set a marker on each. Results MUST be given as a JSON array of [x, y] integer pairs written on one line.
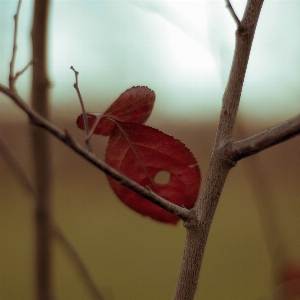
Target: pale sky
[[180, 49]]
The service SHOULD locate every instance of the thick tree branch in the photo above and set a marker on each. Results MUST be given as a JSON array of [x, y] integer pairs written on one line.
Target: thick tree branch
[[197, 232], [38, 120], [263, 140]]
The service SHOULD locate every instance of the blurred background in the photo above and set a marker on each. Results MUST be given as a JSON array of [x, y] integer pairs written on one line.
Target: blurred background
[[183, 51]]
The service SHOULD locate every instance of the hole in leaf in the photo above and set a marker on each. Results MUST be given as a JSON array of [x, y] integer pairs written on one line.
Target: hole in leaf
[[162, 177]]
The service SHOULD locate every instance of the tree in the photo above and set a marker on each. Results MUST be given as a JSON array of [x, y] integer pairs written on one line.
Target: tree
[[226, 153]]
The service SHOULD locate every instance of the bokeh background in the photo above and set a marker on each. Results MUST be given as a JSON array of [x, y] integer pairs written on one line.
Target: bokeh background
[[182, 50]]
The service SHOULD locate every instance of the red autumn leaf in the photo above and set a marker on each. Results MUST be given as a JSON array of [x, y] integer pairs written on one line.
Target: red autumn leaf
[[140, 152], [134, 105]]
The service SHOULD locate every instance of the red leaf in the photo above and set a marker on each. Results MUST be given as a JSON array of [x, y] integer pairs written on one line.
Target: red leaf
[[140, 152], [134, 105]]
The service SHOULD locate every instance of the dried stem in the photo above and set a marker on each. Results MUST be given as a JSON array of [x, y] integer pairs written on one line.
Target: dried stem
[[85, 118]]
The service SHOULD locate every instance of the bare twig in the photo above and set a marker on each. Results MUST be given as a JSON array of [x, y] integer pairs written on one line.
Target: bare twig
[[12, 78], [263, 140], [233, 14], [38, 120], [24, 69], [85, 118]]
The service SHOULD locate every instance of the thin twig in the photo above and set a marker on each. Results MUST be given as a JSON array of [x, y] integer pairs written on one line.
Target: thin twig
[[233, 14], [263, 140], [85, 118], [11, 159], [24, 69], [40, 121], [12, 78]]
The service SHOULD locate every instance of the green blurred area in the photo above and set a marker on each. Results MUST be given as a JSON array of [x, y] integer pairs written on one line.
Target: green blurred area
[[133, 257]]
